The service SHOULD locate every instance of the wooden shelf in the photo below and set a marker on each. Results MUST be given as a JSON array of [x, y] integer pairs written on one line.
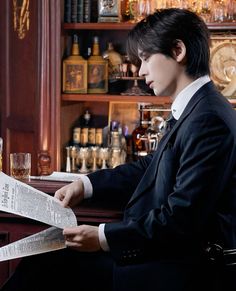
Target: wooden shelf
[[120, 98], [222, 26], [216, 26], [100, 26]]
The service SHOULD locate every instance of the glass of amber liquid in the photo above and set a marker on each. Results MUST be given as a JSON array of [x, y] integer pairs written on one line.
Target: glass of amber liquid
[[20, 165]]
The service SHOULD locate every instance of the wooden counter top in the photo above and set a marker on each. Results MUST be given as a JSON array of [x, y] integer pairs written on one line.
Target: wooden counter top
[[87, 210]]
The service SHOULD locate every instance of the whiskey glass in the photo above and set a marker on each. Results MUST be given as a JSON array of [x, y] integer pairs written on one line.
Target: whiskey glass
[[20, 165]]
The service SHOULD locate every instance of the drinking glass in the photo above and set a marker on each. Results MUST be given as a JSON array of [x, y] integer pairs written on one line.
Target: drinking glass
[[84, 154], [144, 9], [104, 156], [94, 155], [20, 165]]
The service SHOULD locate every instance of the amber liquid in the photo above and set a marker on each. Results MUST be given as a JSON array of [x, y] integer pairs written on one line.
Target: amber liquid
[[139, 145], [20, 173]]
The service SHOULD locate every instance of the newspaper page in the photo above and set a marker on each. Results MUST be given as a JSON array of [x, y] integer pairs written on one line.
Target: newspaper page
[[19, 198], [47, 240]]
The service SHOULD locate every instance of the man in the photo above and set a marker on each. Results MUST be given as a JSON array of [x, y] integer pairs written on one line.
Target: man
[[178, 200]]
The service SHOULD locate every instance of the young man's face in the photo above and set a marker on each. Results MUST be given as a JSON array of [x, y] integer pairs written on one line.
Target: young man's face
[[161, 73]]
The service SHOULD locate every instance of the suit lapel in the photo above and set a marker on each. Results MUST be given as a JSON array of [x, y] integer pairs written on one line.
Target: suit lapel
[[150, 174]]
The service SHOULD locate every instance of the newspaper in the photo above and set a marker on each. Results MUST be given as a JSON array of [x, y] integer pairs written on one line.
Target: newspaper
[[19, 198]]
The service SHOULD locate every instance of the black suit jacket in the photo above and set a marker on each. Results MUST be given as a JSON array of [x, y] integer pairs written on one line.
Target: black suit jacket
[[182, 196]]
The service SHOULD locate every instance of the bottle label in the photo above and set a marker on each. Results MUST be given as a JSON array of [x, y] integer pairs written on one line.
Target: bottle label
[[76, 135], [84, 136], [91, 136], [98, 137]]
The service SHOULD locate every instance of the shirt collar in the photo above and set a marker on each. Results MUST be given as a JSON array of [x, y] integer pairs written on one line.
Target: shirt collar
[[183, 98]]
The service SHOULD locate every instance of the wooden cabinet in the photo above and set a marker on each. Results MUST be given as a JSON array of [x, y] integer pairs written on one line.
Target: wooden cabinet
[[12, 228]]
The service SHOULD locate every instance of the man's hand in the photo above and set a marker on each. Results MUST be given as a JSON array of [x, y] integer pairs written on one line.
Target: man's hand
[[82, 238], [71, 194]]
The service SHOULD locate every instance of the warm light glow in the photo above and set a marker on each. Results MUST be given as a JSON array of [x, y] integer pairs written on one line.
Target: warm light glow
[[21, 18]]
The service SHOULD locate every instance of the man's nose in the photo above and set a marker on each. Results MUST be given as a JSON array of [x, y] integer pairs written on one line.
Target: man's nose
[[141, 71]]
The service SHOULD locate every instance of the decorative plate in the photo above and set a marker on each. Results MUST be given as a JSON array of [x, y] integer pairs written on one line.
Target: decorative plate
[[223, 64]]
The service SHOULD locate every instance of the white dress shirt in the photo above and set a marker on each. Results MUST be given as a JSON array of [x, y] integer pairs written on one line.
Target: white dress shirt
[[177, 109]]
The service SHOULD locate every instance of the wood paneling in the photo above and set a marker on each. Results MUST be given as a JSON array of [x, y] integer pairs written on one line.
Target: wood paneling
[[30, 84]]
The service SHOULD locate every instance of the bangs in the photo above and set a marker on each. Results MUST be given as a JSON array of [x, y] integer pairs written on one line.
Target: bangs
[[132, 47], [142, 38]]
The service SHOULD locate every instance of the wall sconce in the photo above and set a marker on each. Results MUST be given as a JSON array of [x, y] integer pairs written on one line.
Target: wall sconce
[[21, 17]]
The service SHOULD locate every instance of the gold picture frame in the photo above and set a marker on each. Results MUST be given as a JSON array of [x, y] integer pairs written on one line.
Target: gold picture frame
[[223, 64], [109, 10], [126, 113]]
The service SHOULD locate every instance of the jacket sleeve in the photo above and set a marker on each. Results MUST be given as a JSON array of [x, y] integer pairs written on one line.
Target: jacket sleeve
[[118, 184]]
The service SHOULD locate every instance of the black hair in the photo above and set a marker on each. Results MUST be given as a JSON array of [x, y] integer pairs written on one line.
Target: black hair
[[160, 32]]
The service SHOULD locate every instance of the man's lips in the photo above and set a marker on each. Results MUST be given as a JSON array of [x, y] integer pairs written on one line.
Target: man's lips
[[150, 84]]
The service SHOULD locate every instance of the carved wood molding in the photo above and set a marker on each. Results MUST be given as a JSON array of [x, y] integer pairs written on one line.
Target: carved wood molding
[[49, 84]]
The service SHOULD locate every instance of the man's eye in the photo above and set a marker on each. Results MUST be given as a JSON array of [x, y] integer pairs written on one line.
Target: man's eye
[[146, 58]]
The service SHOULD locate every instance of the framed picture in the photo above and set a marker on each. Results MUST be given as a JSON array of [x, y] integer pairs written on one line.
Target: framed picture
[[98, 76], [223, 64], [126, 114], [109, 10], [74, 76]]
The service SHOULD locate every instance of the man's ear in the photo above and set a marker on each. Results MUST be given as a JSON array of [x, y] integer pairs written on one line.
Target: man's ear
[[179, 51]]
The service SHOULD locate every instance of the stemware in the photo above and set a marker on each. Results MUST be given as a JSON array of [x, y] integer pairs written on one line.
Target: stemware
[[94, 155], [104, 156], [83, 154]]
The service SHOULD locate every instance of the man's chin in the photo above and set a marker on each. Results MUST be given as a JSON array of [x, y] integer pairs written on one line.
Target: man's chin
[[156, 92], [159, 93]]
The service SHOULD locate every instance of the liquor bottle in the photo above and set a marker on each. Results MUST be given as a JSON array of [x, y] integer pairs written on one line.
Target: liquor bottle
[[75, 69], [97, 70], [114, 61], [85, 129], [138, 134]]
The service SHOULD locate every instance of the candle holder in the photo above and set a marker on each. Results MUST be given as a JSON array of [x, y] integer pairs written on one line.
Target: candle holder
[[135, 89]]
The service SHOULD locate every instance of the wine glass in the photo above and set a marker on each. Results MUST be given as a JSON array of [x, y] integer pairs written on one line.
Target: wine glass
[[74, 154], [83, 154], [104, 156], [94, 154], [144, 9]]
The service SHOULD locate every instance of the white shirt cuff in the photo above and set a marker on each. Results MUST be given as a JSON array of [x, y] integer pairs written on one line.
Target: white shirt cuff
[[102, 238], [88, 188]]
